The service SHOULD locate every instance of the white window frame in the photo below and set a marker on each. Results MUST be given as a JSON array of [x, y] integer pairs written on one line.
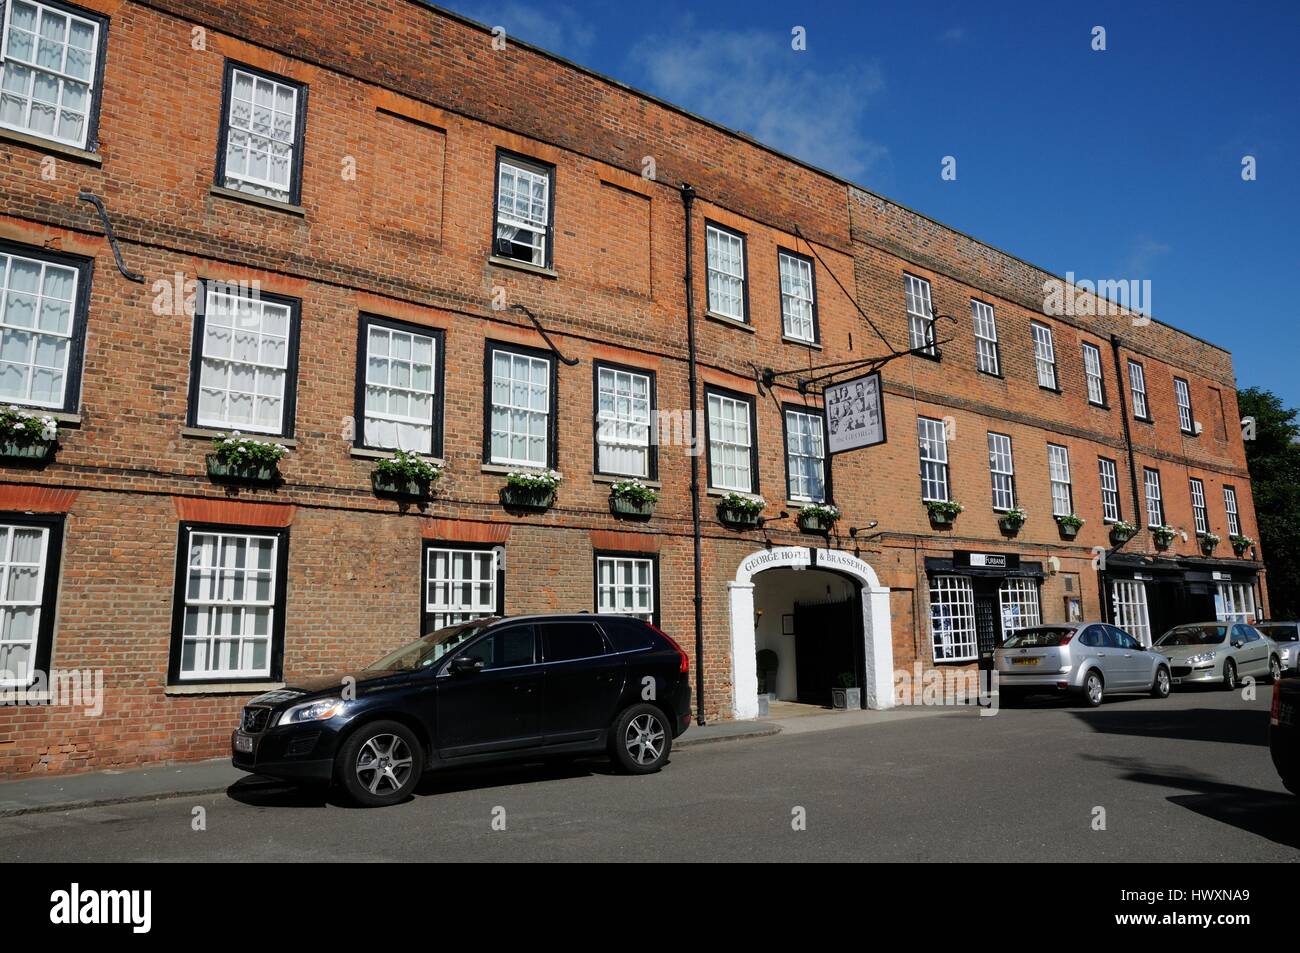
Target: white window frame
[[1137, 381], [623, 421], [1230, 508], [1234, 602], [1183, 397], [805, 440], [264, 143], [798, 297], [952, 619], [35, 332], [484, 565], [986, 337], [1154, 498], [932, 441], [398, 383], [220, 604], [1200, 514], [1044, 355], [1093, 374], [217, 371], [730, 452], [8, 569], [512, 410], [920, 314], [61, 76], [620, 586], [1129, 600], [510, 211], [1108, 474], [1019, 603], [1002, 472], [1058, 473], [725, 273]]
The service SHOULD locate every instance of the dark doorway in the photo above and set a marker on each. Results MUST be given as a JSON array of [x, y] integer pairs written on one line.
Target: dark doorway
[[824, 636]]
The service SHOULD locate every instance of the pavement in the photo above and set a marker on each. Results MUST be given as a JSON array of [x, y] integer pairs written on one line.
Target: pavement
[[1187, 779]]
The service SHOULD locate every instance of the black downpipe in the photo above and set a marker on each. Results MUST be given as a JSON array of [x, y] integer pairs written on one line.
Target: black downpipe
[[1120, 391], [688, 196]]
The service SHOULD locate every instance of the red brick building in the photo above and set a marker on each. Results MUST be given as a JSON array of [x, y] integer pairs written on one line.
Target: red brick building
[[333, 232]]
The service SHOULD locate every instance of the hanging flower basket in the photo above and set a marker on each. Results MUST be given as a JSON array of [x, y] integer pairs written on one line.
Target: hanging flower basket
[[1069, 525], [943, 512], [1240, 544], [741, 512], [240, 459], [1121, 532], [1208, 541], [818, 518], [632, 499], [1163, 536], [27, 438], [1011, 521], [405, 476], [530, 489]]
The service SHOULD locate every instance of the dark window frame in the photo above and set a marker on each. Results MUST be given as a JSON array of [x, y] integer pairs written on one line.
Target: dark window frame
[[299, 129], [1011, 449], [552, 422], [820, 414], [596, 556], [1101, 371], [1204, 508], [55, 523], [816, 299], [748, 318], [652, 459], [288, 416], [1160, 500], [536, 165], [931, 352], [1119, 498], [176, 643], [753, 437], [1147, 418], [426, 621], [1191, 408], [1056, 362], [85, 268], [366, 320], [997, 342]]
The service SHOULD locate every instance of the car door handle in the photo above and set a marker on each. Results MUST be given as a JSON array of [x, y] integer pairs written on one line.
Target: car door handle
[[1101, 655]]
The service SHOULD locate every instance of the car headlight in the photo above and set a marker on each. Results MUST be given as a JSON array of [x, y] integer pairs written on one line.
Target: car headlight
[[320, 710], [1203, 657]]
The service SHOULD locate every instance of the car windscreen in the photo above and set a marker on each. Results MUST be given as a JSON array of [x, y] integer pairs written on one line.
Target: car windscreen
[[426, 650], [1040, 637], [1194, 635], [1279, 632]]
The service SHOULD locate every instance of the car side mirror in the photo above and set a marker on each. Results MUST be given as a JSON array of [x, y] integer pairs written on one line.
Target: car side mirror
[[1237, 643], [465, 664]]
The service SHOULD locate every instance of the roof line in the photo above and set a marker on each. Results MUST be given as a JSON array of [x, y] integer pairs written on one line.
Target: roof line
[[848, 183]]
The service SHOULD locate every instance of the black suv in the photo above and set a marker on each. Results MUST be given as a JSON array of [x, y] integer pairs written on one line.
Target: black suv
[[489, 690]]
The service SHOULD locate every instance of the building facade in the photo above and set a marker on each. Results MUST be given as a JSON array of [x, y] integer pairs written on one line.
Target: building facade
[[381, 230]]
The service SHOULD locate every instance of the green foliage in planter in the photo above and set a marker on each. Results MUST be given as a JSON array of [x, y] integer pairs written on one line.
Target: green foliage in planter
[[1240, 542], [24, 429], [1123, 528], [1164, 535], [537, 481], [633, 491], [743, 505], [822, 512], [1208, 539], [403, 468], [1072, 521], [944, 508], [240, 451], [1014, 517]]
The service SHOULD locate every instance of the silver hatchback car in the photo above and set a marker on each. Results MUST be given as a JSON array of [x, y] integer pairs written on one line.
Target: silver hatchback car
[[1085, 659]]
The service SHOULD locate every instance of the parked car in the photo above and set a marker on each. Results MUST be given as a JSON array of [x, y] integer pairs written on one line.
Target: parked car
[[1085, 659], [484, 691], [1286, 636], [1219, 652], [1284, 732]]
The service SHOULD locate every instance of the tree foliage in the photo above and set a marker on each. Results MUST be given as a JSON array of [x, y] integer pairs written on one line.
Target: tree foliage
[[1273, 456]]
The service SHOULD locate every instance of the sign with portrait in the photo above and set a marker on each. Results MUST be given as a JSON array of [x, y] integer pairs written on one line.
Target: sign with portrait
[[855, 414]]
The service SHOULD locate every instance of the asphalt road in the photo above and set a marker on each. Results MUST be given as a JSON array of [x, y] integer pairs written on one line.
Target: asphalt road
[[1188, 779]]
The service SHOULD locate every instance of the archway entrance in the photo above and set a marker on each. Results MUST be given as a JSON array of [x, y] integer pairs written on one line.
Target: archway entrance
[[819, 615]]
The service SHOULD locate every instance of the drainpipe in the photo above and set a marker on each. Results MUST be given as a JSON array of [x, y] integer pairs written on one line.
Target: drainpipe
[[688, 197], [1132, 464]]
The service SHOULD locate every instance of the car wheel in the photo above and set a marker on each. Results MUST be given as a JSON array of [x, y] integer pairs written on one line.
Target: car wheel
[[1229, 675], [380, 764], [1161, 685], [641, 740], [1274, 669], [1094, 689]]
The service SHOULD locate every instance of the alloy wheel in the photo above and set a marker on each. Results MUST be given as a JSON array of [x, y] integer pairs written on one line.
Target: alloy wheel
[[644, 739], [384, 764], [1094, 689], [1162, 678]]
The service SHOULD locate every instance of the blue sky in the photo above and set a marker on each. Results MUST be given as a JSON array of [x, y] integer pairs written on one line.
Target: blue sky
[[1119, 164]]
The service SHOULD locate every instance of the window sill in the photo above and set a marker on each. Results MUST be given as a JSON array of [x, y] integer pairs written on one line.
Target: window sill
[[800, 504], [505, 469], [615, 478], [222, 688], [50, 146], [59, 416], [222, 192], [206, 433], [718, 494], [523, 266], [935, 355], [1145, 420], [799, 342], [1189, 433], [728, 320], [365, 453], [1050, 390], [1093, 403], [996, 376]]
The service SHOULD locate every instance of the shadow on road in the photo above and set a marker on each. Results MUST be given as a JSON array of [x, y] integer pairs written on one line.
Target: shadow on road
[[1265, 814], [1237, 726], [257, 791]]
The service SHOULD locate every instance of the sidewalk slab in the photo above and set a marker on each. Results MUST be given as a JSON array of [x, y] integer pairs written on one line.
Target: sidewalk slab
[[725, 731], [70, 792]]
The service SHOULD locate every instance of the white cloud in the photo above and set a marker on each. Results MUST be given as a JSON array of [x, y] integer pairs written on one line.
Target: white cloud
[[953, 35], [1142, 254], [753, 81]]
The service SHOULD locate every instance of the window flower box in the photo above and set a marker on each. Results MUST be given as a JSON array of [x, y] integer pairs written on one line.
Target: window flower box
[[632, 499], [1207, 541], [1240, 544], [818, 518], [1011, 521], [1069, 525], [741, 512], [943, 512], [26, 438], [1163, 536], [1121, 532], [530, 489], [405, 476], [240, 459]]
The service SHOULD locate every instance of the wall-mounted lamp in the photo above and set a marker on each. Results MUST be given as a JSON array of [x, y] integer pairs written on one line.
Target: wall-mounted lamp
[[854, 530]]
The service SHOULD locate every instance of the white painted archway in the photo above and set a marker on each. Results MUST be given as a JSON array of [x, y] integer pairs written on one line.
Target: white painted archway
[[877, 630]]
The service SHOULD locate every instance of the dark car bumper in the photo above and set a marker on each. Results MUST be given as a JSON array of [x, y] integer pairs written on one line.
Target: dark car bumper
[[1284, 739], [295, 753]]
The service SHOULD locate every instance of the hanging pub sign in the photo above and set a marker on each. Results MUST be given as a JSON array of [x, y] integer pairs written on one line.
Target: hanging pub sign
[[855, 414]]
